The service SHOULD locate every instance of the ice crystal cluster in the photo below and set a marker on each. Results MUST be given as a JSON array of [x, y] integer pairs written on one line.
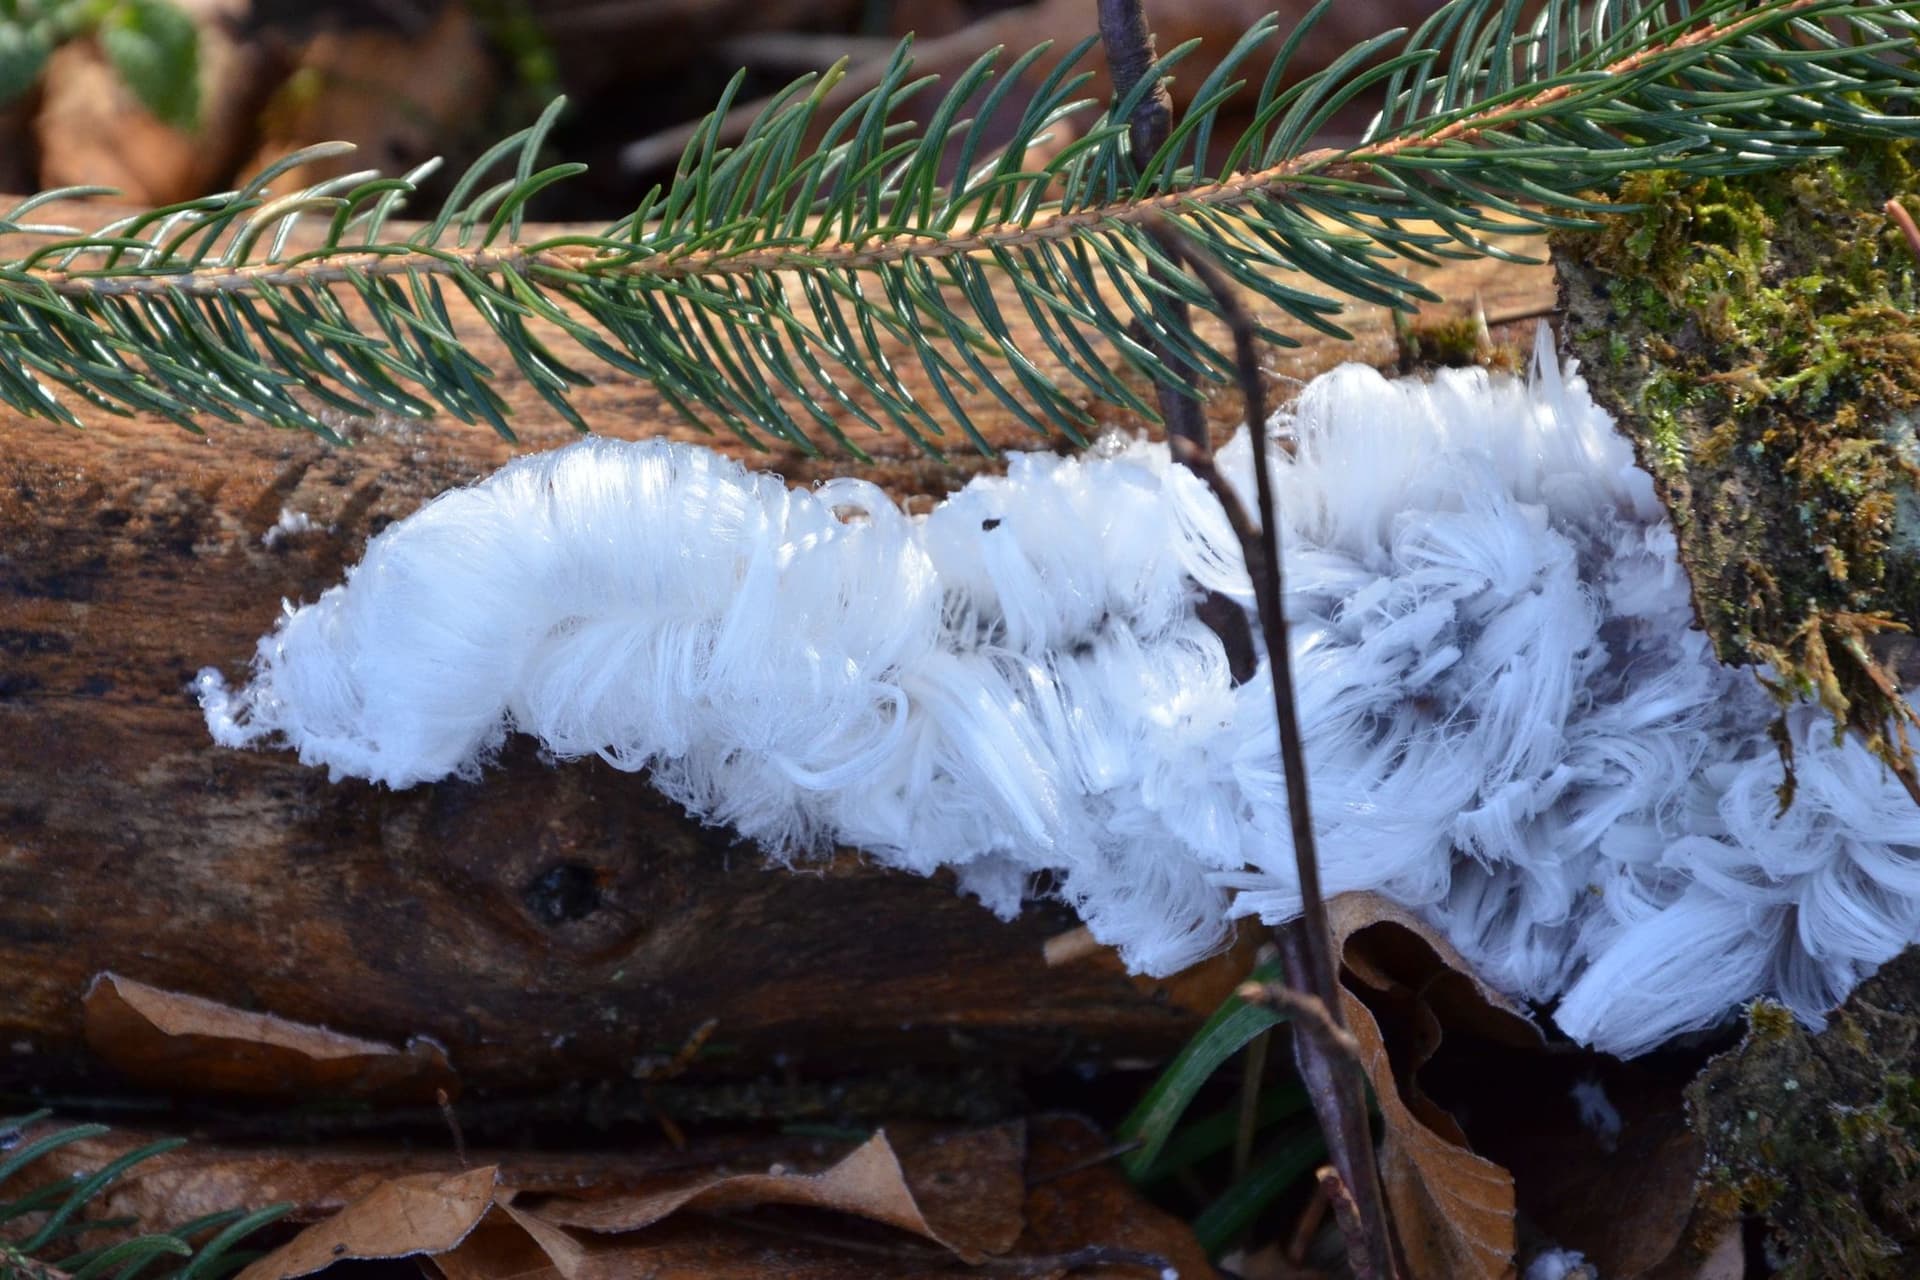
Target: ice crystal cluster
[[1511, 722]]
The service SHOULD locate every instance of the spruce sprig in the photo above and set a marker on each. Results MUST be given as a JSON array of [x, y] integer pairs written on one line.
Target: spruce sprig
[[45, 1233], [756, 288]]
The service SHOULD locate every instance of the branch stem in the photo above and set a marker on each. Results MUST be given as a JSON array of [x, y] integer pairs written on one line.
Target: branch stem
[[1322, 1046], [805, 252], [1130, 56]]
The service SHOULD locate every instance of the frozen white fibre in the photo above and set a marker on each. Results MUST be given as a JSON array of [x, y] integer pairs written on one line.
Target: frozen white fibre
[[1511, 722], [1560, 1264], [1597, 1113], [291, 524]]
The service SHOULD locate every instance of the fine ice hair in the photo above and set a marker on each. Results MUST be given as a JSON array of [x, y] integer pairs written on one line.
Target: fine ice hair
[[1511, 722]]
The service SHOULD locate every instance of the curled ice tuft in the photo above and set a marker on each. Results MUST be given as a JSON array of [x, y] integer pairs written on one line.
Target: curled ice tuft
[[1511, 722]]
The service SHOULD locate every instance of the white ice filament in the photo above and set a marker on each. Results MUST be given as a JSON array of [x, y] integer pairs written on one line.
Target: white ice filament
[[1511, 723]]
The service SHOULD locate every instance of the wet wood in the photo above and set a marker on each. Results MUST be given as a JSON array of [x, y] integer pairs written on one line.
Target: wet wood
[[545, 924]]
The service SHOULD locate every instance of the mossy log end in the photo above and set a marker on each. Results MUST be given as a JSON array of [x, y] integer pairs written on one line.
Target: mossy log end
[[545, 924], [1820, 1134], [1756, 337]]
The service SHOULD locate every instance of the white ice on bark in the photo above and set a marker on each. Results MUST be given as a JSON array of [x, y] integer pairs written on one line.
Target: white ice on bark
[[1511, 721]]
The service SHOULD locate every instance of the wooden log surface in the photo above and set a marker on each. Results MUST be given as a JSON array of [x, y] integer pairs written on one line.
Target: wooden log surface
[[546, 924]]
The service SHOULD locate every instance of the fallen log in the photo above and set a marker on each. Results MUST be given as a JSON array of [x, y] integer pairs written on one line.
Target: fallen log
[[547, 924]]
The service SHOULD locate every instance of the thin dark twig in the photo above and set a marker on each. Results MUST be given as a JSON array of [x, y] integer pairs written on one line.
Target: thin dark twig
[[1309, 1015], [1308, 1225], [1345, 1213], [453, 1125], [1128, 42], [1323, 1050], [1337, 1089], [1130, 55], [1093, 1161], [1261, 546]]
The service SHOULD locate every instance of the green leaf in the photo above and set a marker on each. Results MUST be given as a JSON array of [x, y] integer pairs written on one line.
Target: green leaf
[[156, 50], [1232, 1025], [24, 49], [1222, 1222], [1215, 1133]]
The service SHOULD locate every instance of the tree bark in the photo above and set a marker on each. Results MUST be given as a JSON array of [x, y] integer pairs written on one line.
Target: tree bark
[[546, 924]]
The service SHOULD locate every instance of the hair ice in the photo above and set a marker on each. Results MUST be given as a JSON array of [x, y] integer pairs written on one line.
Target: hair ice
[[1511, 722]]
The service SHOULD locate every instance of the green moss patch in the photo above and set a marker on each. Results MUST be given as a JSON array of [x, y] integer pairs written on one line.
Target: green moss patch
[[1821, 1134], [1757, 338]]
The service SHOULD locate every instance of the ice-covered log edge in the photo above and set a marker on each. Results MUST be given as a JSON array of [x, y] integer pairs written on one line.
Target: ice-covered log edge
[[1511, 722]]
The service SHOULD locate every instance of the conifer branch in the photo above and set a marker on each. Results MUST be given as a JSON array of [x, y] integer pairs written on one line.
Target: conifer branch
[[46, 1235], [761, 287]]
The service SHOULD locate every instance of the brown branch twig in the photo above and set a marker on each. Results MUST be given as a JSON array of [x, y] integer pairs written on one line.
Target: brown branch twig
[[1347, 1214], [1309, 1015], [1130, 56], [453, 1125], [1323, 1049], [1904, 220]]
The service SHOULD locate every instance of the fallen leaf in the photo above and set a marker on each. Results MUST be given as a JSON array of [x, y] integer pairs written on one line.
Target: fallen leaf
[[1620, 1192], [1078, 1201], [1622, 1197], [1082, 1219], [427, 1213], [401, 97], [870, 1183], [1039, 1207], [1453, 1209], [176, 1041], [90, 128], [203, 1178], [509, 1245]]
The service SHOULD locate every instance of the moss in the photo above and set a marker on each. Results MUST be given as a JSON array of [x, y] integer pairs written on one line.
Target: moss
[[1820, 1135], [1456, 342], [1756, 337]]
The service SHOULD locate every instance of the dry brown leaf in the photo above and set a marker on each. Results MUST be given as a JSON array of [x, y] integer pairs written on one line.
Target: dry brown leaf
[[509, 1245], [317, 1181], [1094, 1205], [1078, 1217], [1082, 1220], [1453, 1210], [869, 1183], [91, 129], [564, 1251], [1623, 1200], [177, 1041], [401, 98], [426, 1213]]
